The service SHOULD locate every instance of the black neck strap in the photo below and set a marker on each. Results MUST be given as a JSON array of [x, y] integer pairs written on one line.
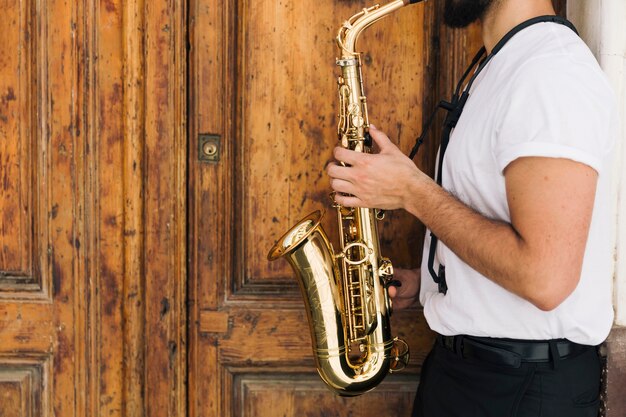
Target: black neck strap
[[455, 109], [530, 22]]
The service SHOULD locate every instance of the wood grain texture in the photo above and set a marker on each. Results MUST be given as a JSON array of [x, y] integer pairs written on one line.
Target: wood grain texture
[[61, 118], [139, 203], [24, 236], [165, 209], [16, 140], [277, 395], [214, 322], [84, 207], [614, 402], [263, 78], [133, 167], [211, 30], [38, 318], [22, 387], [108, 209]]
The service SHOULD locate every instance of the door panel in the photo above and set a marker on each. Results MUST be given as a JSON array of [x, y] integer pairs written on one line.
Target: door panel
[[263, 80], [282, 394], [23, 274], [92, 208], [39, 227]]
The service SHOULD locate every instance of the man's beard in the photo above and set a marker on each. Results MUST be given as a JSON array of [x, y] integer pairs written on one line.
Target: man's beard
[[460, 13]]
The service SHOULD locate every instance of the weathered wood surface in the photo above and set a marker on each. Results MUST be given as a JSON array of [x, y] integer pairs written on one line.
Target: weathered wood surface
[[614, 375], [92, 208], [96, 158], [41, 205]]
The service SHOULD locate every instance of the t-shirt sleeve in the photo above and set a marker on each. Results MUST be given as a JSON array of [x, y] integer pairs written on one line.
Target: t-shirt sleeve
[[556, 108]]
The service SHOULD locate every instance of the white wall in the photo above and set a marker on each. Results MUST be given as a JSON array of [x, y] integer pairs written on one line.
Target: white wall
[[602, 24]]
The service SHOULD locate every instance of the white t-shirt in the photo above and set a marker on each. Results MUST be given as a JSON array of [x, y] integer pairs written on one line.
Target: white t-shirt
[[542, 95]]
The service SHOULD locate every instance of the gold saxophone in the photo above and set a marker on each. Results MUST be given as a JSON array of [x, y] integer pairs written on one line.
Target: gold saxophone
[[347, 302]]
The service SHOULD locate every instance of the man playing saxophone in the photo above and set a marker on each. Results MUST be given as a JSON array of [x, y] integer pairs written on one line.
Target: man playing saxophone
[[518, 287]]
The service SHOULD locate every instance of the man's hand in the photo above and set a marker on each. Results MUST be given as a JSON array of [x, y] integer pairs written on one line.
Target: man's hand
[[405, 295], [373, 180]]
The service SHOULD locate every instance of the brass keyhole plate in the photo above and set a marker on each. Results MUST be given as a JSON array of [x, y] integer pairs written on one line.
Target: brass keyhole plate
[[208, 148]]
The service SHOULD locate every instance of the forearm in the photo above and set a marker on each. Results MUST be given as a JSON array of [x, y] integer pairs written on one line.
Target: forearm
[[493, 248]]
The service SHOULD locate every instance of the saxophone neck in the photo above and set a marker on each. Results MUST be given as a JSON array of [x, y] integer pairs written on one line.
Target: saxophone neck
[[352, 28]]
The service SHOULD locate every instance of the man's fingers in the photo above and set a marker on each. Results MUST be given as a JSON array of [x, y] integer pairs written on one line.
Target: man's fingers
[[337, 171], [348, 201], [380, 138], [346, 155], [342, 186]]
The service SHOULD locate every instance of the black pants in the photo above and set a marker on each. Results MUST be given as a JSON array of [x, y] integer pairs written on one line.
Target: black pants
[[455, 386]]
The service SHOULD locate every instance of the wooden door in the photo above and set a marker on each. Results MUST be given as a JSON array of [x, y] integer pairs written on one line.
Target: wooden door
[[263, 91], [92, 208], [117, 235]]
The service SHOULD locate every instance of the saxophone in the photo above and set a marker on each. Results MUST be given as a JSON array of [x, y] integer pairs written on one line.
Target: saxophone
[[345, 293]]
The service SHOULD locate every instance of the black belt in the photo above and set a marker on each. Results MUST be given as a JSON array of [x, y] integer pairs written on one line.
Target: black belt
[[510, 352]]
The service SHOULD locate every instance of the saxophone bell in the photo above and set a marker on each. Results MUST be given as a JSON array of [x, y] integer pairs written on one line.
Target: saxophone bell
[[349, 367]]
